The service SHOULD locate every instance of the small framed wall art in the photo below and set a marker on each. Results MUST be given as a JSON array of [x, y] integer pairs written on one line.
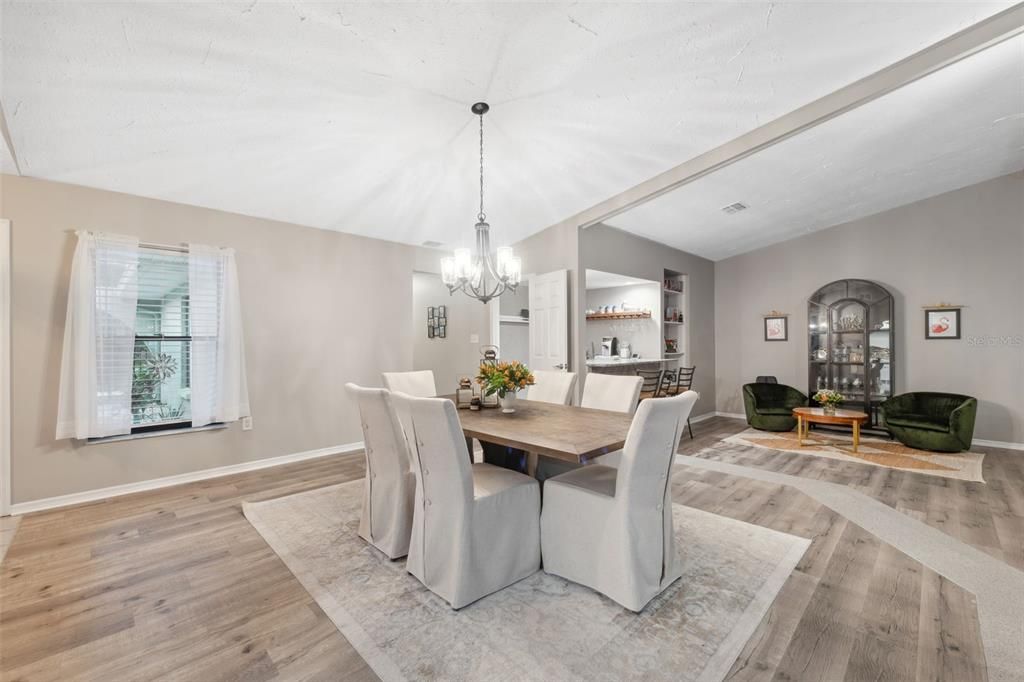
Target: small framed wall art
[[776, 326], [942, 322], [437, 322]]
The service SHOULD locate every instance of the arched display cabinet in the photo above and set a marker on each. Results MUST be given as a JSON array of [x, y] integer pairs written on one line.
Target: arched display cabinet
[[852, 344]]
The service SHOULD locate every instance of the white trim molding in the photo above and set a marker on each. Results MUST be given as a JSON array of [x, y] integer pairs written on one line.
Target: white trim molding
[[5, 367], [998, 444], [1007, 445], [178, 479]]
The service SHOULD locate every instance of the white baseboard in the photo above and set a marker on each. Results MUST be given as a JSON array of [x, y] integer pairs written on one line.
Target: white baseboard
[[998, 444], [178, 479], [709, 415], [977, 441]]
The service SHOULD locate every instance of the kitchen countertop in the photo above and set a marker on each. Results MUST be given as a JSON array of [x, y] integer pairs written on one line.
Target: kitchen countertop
[[624, 363]]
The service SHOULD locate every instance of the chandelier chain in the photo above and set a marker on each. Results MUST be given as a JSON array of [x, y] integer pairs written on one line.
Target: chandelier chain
[[482, 216]]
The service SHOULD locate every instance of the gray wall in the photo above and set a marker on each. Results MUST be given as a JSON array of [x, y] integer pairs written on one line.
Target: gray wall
[[455, 355], [964, 247], [605, 248], [320, 309]]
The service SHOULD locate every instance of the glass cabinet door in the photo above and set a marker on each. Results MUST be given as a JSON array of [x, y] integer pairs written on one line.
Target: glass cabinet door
[[817, 324], [847, 322], [880, 350]]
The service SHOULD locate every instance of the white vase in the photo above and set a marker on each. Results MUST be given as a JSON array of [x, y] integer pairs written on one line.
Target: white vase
[[508, 403]]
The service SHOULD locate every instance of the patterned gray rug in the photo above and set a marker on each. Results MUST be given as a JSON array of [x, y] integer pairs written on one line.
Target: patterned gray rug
[[543, 627]]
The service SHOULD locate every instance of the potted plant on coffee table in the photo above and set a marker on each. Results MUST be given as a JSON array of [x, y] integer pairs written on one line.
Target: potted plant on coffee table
[[828, 399], [505, 379]]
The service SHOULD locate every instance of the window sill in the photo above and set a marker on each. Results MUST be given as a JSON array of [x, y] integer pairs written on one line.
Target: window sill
[[154, 434]]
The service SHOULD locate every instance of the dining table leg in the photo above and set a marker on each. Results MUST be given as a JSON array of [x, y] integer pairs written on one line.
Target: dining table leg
[[800, 430], [504, 456], [531, 463]]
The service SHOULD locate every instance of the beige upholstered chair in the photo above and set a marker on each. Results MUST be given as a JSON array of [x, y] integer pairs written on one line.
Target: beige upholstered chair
[[612, 392], [419, 384], [476, 527], [615, 393], [386, 520], [551, 386], [611, 529]]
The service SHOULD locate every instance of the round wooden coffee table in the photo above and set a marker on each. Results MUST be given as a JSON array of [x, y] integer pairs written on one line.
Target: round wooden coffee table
[[805, 416]]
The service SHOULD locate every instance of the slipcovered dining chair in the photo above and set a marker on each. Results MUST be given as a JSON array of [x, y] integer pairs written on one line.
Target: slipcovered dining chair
[[611, 529], [475, 527], [613, 392], [386, 518], [551, 386], [419, 384]]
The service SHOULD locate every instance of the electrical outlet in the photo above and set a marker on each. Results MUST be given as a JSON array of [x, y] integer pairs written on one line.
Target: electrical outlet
[[474, 338], [247, 423]]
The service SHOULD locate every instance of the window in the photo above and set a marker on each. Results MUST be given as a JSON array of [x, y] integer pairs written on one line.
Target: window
[[161, 388], [152, 339]]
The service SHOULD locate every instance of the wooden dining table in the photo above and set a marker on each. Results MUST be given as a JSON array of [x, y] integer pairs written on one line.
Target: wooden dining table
[[572, 434]]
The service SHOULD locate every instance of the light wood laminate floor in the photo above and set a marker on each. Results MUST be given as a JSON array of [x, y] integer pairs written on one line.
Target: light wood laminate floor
[[176, 584]]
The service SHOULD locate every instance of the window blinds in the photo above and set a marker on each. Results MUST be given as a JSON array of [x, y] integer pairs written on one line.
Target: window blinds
[[161, 370]]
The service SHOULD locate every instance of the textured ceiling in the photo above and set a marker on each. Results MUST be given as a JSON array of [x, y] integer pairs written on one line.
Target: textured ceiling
[[355, 117], [959, 126]]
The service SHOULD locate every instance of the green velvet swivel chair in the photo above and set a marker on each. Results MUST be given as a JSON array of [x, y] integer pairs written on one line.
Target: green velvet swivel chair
[[943, 422], [769, 407]]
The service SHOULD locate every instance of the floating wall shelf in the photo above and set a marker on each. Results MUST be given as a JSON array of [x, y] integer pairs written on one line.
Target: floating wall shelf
[[620, 316]]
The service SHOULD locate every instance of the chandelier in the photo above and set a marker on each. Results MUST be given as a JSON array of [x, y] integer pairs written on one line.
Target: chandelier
[[477, 274]]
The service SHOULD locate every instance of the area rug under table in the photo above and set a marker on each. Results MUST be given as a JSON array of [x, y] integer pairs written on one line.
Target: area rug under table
[[543, 627], [880, 452]]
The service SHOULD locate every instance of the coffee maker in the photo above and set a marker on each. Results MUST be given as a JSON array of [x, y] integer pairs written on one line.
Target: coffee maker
[[609, 346]]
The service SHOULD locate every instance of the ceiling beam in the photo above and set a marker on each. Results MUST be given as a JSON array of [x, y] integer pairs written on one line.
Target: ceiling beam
[[973, 39]]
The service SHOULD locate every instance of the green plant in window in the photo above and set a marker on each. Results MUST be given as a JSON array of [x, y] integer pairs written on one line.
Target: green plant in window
[[166, 412]]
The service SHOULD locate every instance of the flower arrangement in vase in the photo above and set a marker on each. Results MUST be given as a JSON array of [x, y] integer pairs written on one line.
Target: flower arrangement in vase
[[505, 379], [828, 399]]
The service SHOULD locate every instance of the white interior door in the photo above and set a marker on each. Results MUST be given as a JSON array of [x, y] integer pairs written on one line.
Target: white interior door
[[549, 320]]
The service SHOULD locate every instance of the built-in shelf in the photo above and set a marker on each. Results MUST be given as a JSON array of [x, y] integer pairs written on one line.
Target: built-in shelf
[[514, 319], [620, 316], [671, 291], [671, 322], [673, 352]]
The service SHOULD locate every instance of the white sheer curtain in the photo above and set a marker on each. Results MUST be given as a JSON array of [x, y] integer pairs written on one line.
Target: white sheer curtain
[[99, 338], [219, 389]]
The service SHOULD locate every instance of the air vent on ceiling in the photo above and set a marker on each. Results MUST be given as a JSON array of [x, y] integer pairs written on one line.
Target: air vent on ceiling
[[431, 244], [734, 208]]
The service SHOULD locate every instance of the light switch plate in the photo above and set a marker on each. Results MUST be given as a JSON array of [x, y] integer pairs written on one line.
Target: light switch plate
[[474, 338], [247, 423]]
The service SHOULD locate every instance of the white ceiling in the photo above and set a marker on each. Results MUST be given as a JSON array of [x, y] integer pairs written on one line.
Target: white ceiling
[[354, 117], [959, 126], [598, 279]]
